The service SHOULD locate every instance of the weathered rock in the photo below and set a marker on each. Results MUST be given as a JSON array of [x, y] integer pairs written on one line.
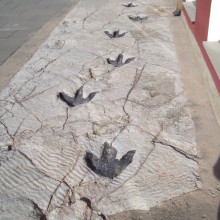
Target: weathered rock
[[140, 106], [22, 209]]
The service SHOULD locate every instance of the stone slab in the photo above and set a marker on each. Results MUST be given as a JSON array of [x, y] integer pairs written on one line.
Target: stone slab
[[139, 106]]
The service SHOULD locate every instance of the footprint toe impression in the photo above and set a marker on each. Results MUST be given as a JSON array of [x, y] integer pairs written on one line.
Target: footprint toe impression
[[115, 34], [129, 5], [119, 61], [137, 18]]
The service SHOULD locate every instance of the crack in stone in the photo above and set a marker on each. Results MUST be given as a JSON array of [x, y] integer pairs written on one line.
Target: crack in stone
[[142, 129], [54, 192], [173, 70], [41, 215], [41, 124], [110, 22], [74, 137], [27, 98], [5, 107], [6, 111], [63, 77], [136, 79], [119, 61], [18, 128], [67, 116], [84, 20], [89, 204], [41, 71], [26, 94], [24, 155], [156, 141], [91, 73], [71, 199], [63, 181], [188, 156], [7, 131], [87, 201], [49, 62], [86, 63], [83, 184], [22, 86], [121, 130]]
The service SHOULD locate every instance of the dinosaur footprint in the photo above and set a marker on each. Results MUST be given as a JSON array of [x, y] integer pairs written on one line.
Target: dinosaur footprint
[[107, 165], [137, 18], [129, 5], [118, 62], [115, 34], [78, 99]]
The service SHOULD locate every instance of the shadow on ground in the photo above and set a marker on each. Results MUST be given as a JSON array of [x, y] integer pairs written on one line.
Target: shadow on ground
[[216, 170]]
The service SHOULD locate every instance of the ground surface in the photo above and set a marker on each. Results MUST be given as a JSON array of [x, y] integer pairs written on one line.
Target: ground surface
[[140, 106], [24, 26], [19, 20]]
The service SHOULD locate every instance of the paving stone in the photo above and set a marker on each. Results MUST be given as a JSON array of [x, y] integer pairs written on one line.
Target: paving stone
[[27, 16], [6, 34]]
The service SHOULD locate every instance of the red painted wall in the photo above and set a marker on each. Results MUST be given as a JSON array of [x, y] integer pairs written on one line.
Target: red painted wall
[[202, 19], [201, 25]]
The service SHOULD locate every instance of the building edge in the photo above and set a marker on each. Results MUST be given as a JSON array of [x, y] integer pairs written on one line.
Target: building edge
[[205, 72]]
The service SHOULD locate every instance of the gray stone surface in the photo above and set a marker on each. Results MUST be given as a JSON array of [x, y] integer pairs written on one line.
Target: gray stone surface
[[20, 19], [140, 106]]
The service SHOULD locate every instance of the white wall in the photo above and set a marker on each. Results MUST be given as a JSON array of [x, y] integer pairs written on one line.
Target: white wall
[[214, 21]]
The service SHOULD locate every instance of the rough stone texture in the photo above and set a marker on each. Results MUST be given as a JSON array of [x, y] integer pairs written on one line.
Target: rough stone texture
[[140, 106]]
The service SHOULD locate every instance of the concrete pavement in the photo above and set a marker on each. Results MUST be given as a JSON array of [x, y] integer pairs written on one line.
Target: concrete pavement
[[20, 19]]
